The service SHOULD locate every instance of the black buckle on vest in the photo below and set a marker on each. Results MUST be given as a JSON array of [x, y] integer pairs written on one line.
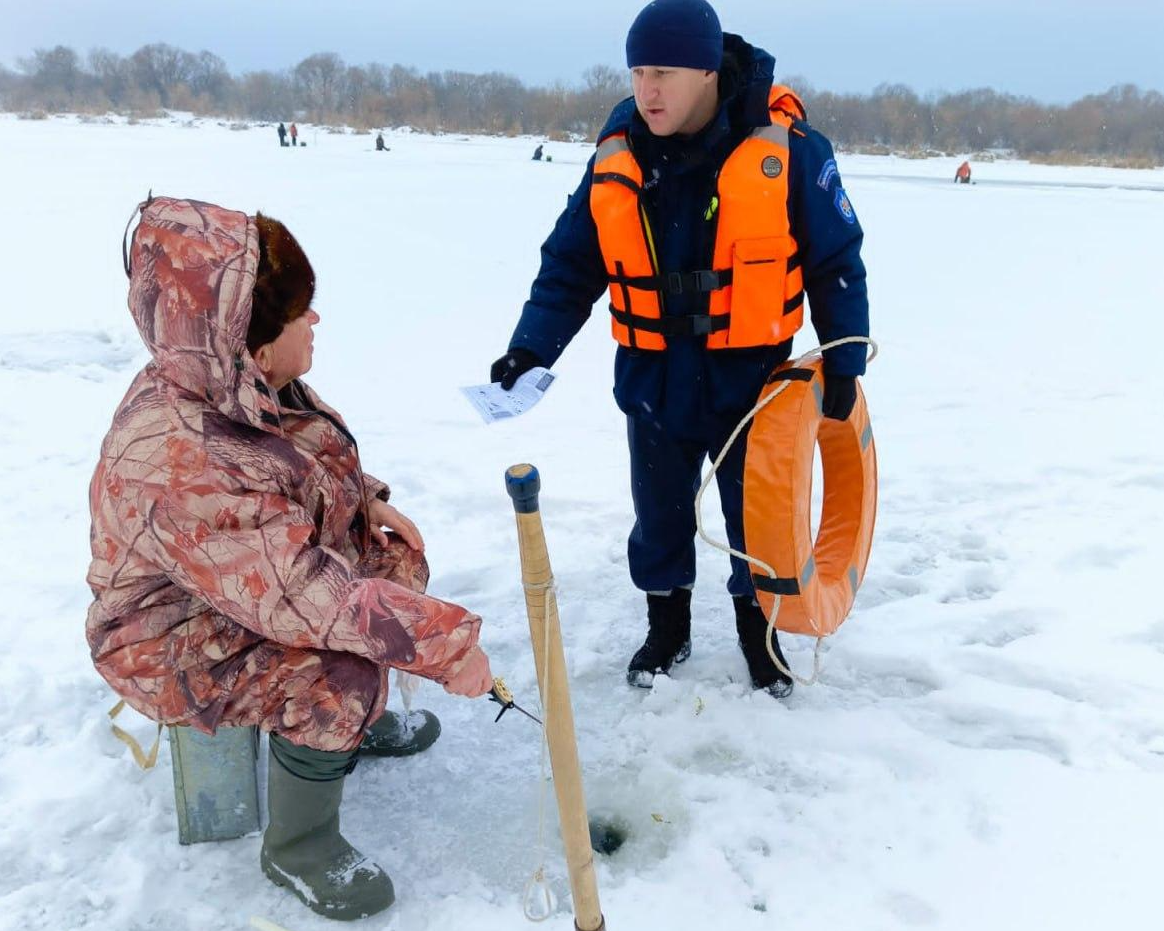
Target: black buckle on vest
[[706, 280], [700, 325]]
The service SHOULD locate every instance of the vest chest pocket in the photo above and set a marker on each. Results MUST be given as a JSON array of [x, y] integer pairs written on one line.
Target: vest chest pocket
[[759, 269]]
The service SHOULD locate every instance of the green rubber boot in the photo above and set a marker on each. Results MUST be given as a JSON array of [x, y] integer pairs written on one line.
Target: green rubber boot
[[303, 849], [401, 735]]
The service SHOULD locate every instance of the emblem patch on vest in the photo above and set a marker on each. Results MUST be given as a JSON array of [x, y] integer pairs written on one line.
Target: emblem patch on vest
[[844, 208], [771, 166]]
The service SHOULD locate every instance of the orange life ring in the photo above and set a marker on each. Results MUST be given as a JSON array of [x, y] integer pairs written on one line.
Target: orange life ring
[[817, 581]]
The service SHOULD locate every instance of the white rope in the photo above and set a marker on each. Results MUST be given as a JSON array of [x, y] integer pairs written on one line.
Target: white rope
[[760, 405], [537, 881]]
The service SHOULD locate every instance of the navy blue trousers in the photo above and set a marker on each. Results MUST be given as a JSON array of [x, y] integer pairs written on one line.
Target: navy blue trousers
[[665, 475]]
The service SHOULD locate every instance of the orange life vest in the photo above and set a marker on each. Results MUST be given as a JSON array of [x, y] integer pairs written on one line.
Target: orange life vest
[[755, 285]]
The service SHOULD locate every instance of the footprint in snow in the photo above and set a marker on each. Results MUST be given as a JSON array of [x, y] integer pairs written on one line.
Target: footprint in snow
[[884, 589], [1154, 480], [910, 910], [976, 584], [990, 729], [999, 630], [1098, 556], [881, 677], [1152, 636]]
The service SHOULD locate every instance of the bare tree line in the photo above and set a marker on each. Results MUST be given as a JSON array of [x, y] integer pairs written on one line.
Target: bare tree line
[[320, 89], [1122, 126]]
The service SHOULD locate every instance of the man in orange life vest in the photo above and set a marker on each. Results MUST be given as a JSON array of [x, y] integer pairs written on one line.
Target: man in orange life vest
[[709, 209]]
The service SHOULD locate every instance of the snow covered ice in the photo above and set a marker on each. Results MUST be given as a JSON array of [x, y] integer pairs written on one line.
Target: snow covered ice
[[986, 746]]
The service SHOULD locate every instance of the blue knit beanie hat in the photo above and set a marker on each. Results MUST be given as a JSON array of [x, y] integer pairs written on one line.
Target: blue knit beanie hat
[[676, 34]]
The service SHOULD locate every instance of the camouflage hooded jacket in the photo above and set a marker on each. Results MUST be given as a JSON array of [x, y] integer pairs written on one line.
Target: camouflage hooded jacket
[[221, 519]]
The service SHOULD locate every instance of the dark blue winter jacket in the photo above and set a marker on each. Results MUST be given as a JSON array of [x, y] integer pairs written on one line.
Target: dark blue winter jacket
[[685, 387]]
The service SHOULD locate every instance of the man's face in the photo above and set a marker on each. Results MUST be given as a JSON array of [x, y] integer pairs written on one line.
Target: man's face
[[673, 100]]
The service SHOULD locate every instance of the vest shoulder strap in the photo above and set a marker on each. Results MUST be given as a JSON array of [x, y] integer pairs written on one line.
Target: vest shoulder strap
[[784, 100]]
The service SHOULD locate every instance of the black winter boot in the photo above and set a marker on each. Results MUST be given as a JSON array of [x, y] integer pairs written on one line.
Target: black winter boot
[[401, 735], [668, 637], [752, 629]]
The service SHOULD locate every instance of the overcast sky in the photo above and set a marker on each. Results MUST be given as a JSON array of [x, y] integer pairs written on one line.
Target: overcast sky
[[1053, 51]]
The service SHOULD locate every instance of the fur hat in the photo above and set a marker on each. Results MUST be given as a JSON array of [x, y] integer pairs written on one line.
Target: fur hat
[[284, 283], [676, 34]]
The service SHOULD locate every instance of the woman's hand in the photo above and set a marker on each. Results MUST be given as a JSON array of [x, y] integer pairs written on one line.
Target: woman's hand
[[382, 514], [471, 677]]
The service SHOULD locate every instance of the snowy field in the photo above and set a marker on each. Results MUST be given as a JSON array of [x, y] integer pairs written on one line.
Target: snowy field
[[985, 749]]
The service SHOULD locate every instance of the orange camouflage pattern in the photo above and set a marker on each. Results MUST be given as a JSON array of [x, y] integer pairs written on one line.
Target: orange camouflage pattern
[[233, 574]]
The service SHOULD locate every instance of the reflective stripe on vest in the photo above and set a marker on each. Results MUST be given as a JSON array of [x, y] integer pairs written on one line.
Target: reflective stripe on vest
[[755, 282]]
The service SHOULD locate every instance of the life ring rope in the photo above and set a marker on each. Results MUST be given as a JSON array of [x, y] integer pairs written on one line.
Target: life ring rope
[[767, 399]]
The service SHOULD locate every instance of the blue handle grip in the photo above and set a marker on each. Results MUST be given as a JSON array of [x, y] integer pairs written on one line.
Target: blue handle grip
[[523, 484]]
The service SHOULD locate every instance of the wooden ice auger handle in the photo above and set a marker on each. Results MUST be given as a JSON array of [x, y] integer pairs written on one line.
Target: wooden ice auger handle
[[523, 484]]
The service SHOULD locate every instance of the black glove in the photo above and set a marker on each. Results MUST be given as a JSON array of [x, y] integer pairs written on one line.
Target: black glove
[[511, 366], [840, 395]]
